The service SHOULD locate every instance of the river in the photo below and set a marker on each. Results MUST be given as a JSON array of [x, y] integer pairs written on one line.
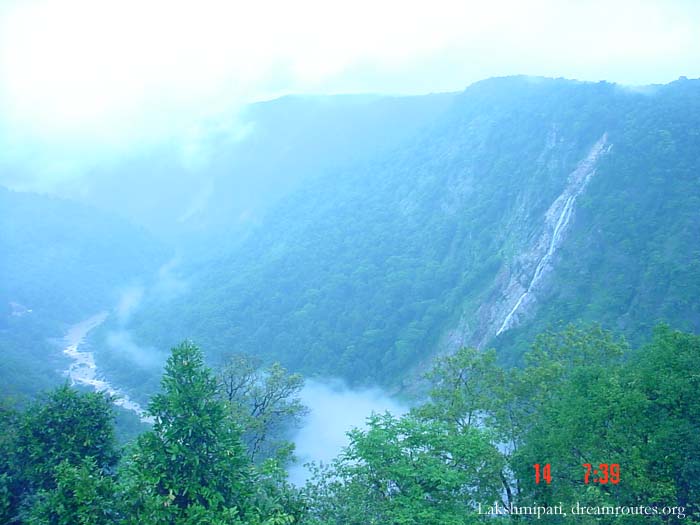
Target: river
[[83, 371], [322, 436]]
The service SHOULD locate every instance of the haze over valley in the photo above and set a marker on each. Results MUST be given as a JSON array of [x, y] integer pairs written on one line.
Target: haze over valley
[[383, 259]]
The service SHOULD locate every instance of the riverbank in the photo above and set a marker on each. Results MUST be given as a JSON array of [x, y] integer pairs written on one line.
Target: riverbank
[[83, 370]]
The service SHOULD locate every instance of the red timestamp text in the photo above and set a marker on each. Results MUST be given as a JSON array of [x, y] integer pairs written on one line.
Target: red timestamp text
[[543, 473], [603, 474]]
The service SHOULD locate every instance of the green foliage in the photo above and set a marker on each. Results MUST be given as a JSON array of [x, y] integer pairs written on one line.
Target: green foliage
[[466, 386], [10, 479], [668, 377], [62, 262], [264, 403], [362, 272], [431, 466], [275, 500], [407, 471], [66, 258], [57, 459], [579, 409], [584, 397], [83, 496], [584, 403], [45, 448], [192, 467], [632, 258], [30, 362], [69, 426]]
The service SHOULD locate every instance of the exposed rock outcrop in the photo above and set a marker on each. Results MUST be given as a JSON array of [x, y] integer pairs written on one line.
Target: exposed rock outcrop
[[518, 282]]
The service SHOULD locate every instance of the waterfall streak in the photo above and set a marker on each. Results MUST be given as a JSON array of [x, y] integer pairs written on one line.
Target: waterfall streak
[[577, 182]]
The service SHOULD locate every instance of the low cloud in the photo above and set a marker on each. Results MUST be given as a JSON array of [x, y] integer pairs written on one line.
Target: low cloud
[[334, 410], [71, 105], [123, 345], [169, 283], [129, 301]]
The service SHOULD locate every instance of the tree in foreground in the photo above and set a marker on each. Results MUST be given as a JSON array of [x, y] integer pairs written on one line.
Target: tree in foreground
[[265, 403], [83, 496], [583, 398], [10, 482], [407, 471], [192, 466], [69, 426]]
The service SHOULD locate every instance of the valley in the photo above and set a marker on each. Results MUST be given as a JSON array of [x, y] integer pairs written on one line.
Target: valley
[[83, 371], [348, 306]]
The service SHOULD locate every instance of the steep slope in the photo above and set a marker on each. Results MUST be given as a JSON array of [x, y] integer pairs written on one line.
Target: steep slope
[[59, 262], [227, 172], [632, 257], [529, 202]]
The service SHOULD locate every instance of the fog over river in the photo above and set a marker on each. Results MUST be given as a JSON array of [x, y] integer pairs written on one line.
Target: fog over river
[[83, 371], [333, 408]]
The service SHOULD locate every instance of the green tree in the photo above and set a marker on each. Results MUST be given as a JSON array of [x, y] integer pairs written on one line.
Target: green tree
[[587, 399], [575, 408], [10, 480], [667, 371], [264, 402], [68, 426], [192, 467], [83, 496], [470, 391], [407, 470]]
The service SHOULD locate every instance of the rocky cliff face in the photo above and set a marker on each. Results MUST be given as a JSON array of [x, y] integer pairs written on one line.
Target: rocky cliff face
[[525, 275], [511, 212], [516, 287]]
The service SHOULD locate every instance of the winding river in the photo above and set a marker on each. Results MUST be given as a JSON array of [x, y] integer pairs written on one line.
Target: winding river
[[322, 436], [83, 371]]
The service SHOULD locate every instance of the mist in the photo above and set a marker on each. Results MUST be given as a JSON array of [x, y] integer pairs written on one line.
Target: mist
[[122, 344], [112, 80], [334, 409], [165, 285], [129, 300]]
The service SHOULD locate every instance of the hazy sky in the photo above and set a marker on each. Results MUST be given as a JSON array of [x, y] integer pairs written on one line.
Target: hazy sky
[[118, 71]]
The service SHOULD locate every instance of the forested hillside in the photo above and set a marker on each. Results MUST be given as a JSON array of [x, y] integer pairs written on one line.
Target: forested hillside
[[208, 186], [60, 262], [529, 202], [521, 261], [349, 263]]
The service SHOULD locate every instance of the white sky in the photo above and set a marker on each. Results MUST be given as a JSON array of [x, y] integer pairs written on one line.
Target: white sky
[[111, 69]]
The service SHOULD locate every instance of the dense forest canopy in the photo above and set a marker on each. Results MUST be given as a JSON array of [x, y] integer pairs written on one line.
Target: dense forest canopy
[[519, 262], [584, 397], [371, 269]]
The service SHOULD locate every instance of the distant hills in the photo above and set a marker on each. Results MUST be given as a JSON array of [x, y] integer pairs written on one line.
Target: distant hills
[[59, 261], [391, 255], [360, 236]]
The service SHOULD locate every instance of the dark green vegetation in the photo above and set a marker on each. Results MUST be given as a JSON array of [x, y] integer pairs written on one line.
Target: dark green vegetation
[[60, 262], [363, 237], [633, 257], [583, 396], [370, 269], [59, 255], [59, 459]]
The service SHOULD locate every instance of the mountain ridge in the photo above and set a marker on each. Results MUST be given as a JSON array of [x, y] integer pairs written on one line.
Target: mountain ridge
[[358, 273]]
